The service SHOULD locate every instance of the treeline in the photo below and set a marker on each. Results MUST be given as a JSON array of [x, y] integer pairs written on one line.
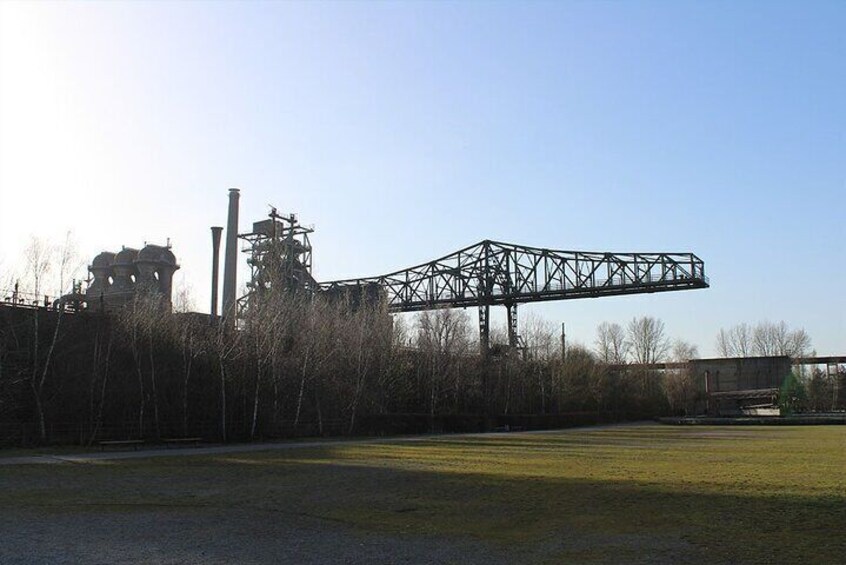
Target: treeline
[[309, 366], [293, 366]]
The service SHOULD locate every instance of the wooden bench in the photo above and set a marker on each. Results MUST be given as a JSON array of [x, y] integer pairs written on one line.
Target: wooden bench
[[507, 428], [177, 441], [121, 443]]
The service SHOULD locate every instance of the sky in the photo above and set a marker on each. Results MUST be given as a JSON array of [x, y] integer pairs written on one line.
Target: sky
[[406, 130]]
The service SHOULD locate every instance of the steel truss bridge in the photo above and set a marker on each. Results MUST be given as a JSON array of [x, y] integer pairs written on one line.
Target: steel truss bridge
[[492, 273]]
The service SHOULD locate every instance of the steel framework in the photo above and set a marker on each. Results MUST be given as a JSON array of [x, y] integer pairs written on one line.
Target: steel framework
[[493, 273], [279, 254]]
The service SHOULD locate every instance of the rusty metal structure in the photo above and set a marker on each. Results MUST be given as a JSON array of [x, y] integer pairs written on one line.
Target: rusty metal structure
[[486, 274], [279, 255], [117, 278], [489, 273], [481, 276], [492, 273]]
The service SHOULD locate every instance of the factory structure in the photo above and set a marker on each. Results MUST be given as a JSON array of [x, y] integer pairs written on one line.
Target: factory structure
[[118, 278], [279, 257], [742, 386], [481, 276], [484, 275]]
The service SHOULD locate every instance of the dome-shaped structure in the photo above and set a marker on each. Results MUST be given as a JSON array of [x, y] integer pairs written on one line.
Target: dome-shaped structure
[[156, 254], [104, 260], [126, 256], [120, 277], [101, 269]]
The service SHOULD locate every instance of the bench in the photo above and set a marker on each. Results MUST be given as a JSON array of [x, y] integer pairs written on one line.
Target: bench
[[121, 443], [177, 441], [507, 428]]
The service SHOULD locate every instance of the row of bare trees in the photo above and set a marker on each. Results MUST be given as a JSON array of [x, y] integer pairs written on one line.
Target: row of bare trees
[[45, 268], [763, 339], [295, 365], [299, 364], [643, 341]]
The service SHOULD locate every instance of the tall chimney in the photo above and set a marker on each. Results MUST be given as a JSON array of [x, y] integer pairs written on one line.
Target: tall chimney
[[216, 231], [230, 265]]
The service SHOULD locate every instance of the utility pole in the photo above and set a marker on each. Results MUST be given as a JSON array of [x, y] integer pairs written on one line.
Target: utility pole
[[563, 344]]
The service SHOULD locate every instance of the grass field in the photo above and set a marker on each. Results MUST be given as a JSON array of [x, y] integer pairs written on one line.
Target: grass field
[[639, 494]]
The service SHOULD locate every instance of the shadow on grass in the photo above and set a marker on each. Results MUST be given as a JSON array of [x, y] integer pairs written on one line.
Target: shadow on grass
[[536, 518]]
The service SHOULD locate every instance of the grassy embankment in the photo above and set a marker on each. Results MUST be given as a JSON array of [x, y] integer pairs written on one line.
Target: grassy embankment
[[747, 494]]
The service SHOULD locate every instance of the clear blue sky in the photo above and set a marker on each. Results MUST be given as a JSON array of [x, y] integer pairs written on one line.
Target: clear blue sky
[[406, 130]]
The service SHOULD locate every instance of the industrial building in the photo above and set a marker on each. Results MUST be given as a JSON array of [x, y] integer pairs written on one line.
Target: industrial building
[[118, 278], [483, 275], [743, 385]]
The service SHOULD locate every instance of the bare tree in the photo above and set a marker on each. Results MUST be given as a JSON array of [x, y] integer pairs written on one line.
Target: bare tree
[[544, 348], [68, 261], [39, 373], [371, 333], [315, 343], [392, 382], [134, 322], [735, 342], [226, 348], [680, 388], [183, 297], [38, 258], [100, 371], [189, 336], [611, 345], [583, 378], [8, 278], [443, 338], [778, 339], [768, 338], [799, 344], [541, 338], [680, 384], [259, 333], [683, 351], [647, 340]]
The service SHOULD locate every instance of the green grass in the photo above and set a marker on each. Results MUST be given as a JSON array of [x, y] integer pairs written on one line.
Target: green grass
[[728, 494]]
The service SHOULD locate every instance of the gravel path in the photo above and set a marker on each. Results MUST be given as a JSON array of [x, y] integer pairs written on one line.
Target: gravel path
[[235, 536], [190, 535]]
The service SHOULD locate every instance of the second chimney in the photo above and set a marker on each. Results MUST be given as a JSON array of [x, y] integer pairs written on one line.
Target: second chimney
[[230, 265], [215, 231]]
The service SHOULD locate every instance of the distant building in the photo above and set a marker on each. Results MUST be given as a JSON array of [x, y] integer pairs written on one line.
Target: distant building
[[119, 277], [742, 385]]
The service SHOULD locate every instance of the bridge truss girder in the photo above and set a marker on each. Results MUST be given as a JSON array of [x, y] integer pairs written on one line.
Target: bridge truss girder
[[493, 273]]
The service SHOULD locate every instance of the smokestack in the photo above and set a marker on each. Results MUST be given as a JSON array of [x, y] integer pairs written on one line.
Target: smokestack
[[216, 230], [230, 265]]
